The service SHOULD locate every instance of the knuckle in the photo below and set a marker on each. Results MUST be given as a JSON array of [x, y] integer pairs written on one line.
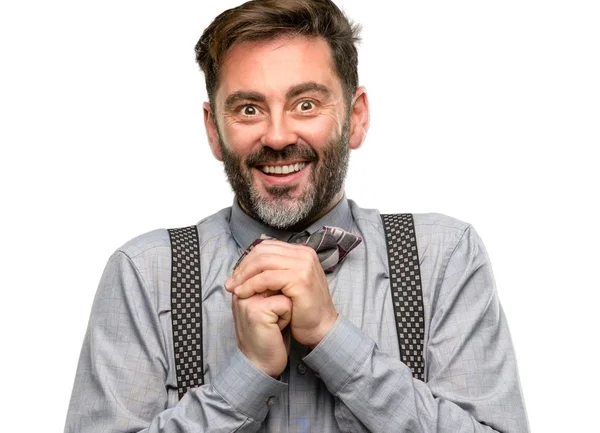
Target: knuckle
[[262, 260], [258, 248], [309, 253], [305, 276]]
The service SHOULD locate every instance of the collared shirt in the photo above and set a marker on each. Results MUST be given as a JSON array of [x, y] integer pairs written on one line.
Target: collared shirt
[[353, 381]]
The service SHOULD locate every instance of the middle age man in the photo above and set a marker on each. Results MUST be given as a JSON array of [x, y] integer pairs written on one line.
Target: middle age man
[[288, 347]]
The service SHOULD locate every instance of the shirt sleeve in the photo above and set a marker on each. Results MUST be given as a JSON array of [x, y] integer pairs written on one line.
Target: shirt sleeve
[[120, 385], [472, 380]]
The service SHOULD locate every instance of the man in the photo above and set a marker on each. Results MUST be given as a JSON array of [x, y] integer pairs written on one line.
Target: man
[[288, 347]]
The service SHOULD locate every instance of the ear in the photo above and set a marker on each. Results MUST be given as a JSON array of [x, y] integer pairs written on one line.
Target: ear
[[359, 118], [211, 131]]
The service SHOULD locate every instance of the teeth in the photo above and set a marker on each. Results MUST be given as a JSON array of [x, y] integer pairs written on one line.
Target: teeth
[[283, 169]]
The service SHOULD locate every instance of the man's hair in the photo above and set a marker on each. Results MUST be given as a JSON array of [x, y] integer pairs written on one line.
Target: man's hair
[[268, 19]]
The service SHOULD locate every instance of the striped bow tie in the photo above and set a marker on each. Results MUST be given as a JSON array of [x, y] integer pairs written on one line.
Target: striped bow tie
[[332, 245]]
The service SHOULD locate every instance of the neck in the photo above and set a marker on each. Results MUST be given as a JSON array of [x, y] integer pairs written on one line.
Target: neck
[[334, 201]]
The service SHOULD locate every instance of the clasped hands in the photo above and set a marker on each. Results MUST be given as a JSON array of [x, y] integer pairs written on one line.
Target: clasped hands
[[279, 284]]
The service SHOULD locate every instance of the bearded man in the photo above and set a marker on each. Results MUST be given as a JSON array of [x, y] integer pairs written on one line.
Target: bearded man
[[286, 345]]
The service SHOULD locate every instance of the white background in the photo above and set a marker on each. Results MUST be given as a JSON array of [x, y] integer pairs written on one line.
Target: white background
[[486, 111]]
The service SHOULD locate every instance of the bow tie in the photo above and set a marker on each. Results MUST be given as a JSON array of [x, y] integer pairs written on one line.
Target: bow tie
[[332, 245]]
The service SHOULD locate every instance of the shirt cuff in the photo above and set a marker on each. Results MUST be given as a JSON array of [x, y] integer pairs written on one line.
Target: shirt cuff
[[248, 389], [343, 350]]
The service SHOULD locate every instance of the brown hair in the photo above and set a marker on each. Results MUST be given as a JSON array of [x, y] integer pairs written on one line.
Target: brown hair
[[268, 19]]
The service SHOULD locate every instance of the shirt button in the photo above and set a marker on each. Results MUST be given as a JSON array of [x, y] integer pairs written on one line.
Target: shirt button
[[271, 400], [301, 368]]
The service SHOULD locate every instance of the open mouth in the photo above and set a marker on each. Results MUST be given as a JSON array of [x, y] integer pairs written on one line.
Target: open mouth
[[282, 169]]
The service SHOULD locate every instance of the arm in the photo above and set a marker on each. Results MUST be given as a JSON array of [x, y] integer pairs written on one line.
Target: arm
[[121, 379], [472, 381]]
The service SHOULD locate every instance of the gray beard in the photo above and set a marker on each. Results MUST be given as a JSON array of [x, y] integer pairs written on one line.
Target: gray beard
[[281, 210]]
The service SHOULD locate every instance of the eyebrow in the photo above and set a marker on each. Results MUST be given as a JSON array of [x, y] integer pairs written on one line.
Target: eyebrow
[[242, 95], [309, 86], [299, 89]]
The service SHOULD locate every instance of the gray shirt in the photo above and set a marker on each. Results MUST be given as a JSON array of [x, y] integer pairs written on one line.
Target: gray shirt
[[353, 381]]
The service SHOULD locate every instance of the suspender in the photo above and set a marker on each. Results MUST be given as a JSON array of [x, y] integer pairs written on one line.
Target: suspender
[[186, 298], [405, 284], [186, 308]]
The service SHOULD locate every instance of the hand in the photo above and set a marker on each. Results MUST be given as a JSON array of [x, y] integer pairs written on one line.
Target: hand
[[259, 322], [295, 271]]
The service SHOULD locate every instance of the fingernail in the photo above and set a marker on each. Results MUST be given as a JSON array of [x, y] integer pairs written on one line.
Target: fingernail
[[228, 283]]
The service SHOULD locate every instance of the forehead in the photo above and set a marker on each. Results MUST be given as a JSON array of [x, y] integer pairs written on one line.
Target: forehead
[[273, 66]]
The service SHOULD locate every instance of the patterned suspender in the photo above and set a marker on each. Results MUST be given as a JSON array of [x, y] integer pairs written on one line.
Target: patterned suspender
[[405, 283], [186, 308], [186, 299]]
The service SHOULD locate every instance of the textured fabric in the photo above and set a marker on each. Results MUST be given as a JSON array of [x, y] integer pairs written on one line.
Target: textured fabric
[[186, 313], [353, 381], [331, 244], [405, 286]]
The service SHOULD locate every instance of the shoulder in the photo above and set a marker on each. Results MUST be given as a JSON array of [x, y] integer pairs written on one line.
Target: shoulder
[[428, 226], [441, 238], [437, 227], [438, 236], [158, 242], [147, 243], [439, 222], [148, 256]]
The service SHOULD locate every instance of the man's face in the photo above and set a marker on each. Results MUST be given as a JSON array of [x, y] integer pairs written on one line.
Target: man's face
[[282, 129]]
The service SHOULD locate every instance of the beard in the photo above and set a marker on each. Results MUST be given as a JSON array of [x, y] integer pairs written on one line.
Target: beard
[[280, 209]]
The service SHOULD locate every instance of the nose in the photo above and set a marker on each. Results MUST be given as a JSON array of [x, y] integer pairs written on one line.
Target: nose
[[279, 133]]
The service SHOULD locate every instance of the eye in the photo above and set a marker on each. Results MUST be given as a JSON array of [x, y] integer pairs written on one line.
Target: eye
[[306, 106], [249, 110]]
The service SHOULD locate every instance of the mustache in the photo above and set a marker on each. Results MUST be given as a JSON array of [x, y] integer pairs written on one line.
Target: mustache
[[268, 154]]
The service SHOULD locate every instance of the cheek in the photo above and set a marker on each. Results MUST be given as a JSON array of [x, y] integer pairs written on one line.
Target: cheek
[[242, 138], [320, 130]]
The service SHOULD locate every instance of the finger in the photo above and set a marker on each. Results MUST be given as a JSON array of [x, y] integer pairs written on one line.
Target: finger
[[252, 265], [262, 259], [262, 309], [281, 306], [268, 282], [277, 243], [274, 249]]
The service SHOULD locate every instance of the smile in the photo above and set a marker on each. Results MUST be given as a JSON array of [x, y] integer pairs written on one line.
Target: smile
[[283, 169]]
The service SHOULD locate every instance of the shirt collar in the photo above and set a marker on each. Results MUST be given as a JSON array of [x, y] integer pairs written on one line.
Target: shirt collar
[[246, 229]]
